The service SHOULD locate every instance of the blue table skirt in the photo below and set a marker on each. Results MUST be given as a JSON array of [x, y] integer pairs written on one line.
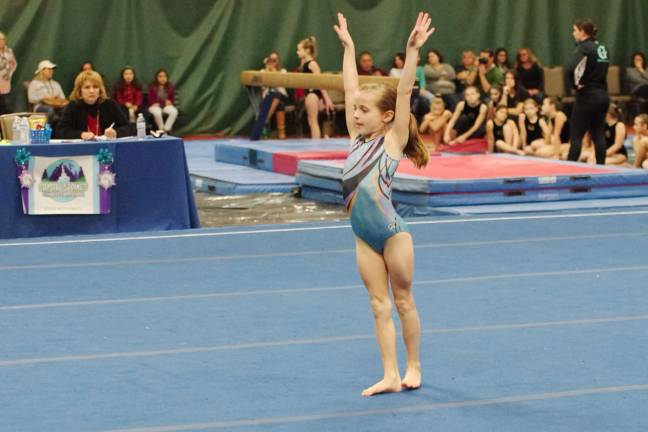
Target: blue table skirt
[[153, 190]]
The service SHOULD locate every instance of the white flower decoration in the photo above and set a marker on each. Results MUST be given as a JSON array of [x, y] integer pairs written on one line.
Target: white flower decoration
[[107, 180], [26, 179]]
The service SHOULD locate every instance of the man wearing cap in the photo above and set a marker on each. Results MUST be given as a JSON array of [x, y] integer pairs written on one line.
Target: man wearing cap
[[45, 93]]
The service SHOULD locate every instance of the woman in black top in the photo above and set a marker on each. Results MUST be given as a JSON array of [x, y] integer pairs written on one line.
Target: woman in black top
[[90, 113], [588, 68], [530, 74]]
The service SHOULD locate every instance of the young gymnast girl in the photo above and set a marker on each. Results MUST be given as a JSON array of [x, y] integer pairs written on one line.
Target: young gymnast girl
[[382, 130]]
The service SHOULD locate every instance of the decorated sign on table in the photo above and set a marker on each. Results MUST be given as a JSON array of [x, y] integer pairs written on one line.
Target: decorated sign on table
[[66, 184]]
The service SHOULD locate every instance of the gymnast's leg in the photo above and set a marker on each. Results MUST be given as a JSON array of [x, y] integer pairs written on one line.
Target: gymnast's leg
[[399, 257], [374, 275], [312, 111]]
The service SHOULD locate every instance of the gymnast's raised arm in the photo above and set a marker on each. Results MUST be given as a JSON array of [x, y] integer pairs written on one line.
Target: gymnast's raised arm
[[349, 73]]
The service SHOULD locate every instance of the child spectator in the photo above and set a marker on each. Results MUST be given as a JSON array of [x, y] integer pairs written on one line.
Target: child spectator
[[615, 135], [128, 93], [466, 72], [161, 100], [467, 121], [640, 141], [530, 74], [557, 131], [502, 60], [435, 122], [502, 134], [494, 99], [47, 94], [439, 78], [397, 66], [531, 125], [637, 76], [513, 94], [279, 95], [488, 74], [315, 100], [8, 66], [366, 65]]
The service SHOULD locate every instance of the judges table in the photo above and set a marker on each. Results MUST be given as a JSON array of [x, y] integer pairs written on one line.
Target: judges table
[[152, 192]]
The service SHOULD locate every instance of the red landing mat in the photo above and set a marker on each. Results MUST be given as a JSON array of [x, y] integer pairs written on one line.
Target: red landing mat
[[495, 166]]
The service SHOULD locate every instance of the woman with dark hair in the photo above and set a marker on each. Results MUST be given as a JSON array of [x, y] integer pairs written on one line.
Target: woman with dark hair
[[588, 69], [502, 60], [128, 93], [161, 99], [637, 75], [513, 94], [439, 78]]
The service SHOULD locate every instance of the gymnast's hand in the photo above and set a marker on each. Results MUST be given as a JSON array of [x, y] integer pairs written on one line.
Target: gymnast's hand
[[420, 32], [343, 32]]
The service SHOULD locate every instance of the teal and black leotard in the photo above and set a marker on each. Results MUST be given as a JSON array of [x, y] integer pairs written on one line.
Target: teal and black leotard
[[366, 183]]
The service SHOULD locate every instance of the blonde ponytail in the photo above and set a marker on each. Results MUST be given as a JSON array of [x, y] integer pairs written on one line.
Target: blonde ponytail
[[415, 149]]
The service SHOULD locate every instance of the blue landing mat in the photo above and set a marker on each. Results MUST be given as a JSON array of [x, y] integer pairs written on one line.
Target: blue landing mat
[[479, 173], [228, 179]]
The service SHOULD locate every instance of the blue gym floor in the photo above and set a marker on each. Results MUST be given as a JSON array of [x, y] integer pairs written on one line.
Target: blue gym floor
[[530, 323]]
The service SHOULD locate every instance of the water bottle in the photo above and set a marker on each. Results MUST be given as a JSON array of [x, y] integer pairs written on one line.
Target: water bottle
[[24, 127], [141, 126], [15, 131]]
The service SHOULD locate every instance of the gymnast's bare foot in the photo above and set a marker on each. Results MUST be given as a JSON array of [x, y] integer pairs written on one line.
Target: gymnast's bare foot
[[412, 379], [386, 385]]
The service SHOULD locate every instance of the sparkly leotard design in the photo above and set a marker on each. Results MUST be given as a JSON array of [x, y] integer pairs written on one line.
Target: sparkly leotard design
[[366, 184]]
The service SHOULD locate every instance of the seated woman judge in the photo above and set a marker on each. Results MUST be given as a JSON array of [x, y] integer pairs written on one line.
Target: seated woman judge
[[91, 113]]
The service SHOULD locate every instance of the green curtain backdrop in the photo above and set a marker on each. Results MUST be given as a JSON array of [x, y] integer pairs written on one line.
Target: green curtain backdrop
[[206, 43]]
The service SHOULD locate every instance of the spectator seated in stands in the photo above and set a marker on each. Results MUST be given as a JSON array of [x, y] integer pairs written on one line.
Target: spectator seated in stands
[[397, 65], [530, 74], [161, 100], [128, 93], [466, 72], [421, 98], [439, 78], [487, 74], [468, 119], [531, 127], [502, 134], [513, 94], [556, 133], [615, 135], [637, 76], [366, 65], [434, 123], [277, 95], [47, 94], [8, 65], [640, 141], [90, 113], [502, 60], [494, 98]]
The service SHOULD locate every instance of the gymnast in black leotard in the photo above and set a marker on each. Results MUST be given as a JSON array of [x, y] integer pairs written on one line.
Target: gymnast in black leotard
[[315, 100]]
